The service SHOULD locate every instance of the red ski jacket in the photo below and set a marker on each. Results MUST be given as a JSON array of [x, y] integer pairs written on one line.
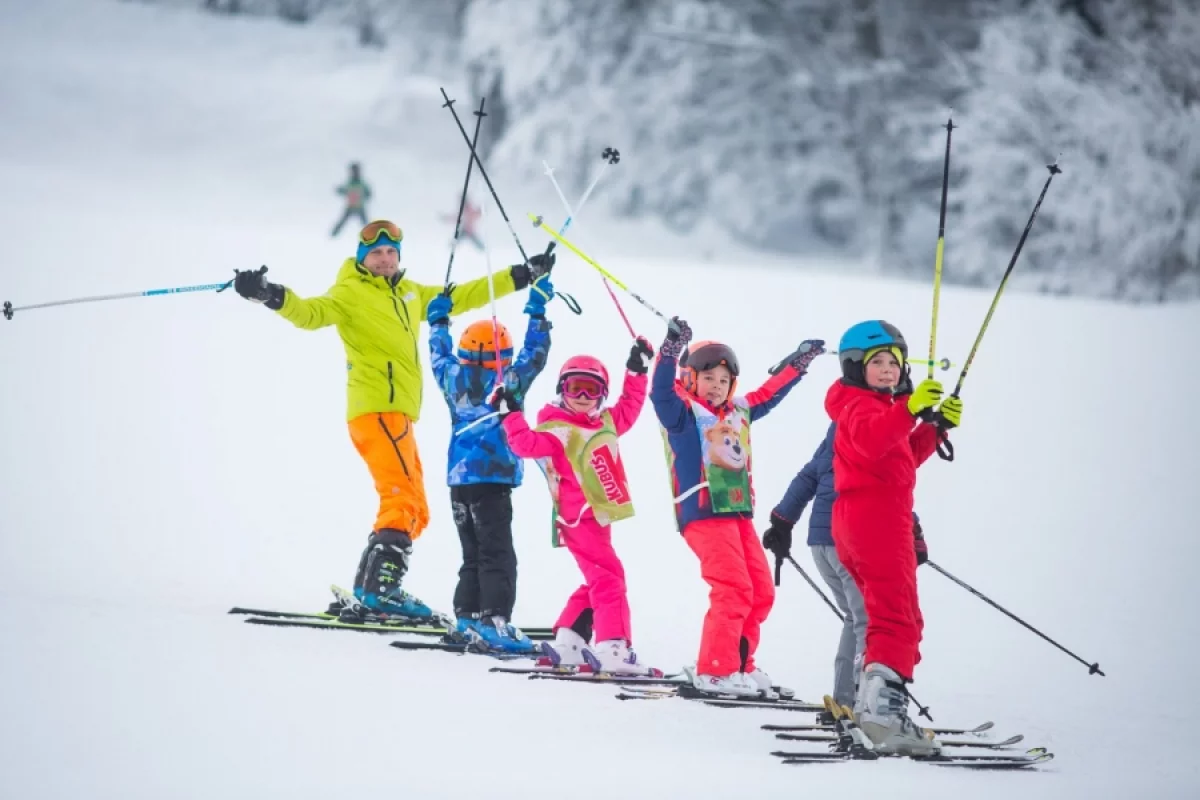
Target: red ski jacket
[[878, 444]]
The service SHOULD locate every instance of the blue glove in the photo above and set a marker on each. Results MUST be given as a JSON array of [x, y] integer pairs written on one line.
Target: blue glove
[[540, 293], [439, 309]]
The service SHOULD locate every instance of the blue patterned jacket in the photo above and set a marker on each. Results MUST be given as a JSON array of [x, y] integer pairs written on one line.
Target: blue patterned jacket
[[480, 454]]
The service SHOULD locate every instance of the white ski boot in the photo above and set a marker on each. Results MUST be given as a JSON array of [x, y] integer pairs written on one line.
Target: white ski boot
[[565, 651], [882, 712], [766, 687], [735, 684], [615, 657]]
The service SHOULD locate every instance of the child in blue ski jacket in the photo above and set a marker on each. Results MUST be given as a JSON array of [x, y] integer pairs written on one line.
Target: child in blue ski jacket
[[481, 469]]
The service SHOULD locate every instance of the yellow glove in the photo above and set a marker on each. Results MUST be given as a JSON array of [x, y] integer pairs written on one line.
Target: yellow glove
[[925, 397], [951, 411]]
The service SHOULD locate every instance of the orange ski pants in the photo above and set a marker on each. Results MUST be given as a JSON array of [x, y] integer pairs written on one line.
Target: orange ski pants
[[741, 592], [387, 442]]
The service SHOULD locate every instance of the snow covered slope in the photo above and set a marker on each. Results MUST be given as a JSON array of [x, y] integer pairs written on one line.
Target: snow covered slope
[[165, 458]]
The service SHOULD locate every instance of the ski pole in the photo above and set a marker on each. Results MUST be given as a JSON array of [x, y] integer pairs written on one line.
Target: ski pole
[[9, 309], [944, 364], [811, 583], [482, 171], [611, 156], [941, 245], [948, 453], [487, 257], [1093, 669], [462, 203], [539, 222]]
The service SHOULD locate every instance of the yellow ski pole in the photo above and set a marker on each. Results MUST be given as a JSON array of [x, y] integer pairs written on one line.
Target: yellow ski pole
[[540, 222], [941, 245]]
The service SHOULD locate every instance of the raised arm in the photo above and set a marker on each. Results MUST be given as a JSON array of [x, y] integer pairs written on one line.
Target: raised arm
[[313, 313], [533, 356], [669, 407], [627, 408], [767, 396], [528, 443]]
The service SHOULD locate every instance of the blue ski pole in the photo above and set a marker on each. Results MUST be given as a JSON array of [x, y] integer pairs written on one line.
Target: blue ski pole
[[9, 309]]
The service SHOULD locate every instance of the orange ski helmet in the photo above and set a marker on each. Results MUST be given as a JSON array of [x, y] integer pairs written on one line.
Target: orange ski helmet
[[478, 344]]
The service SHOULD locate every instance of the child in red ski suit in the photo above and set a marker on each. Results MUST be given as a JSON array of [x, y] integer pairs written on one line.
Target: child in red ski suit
[[575, 444], [707, 429], [879, 442]]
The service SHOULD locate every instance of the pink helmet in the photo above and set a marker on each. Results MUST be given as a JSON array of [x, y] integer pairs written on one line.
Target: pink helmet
[[582, 365]]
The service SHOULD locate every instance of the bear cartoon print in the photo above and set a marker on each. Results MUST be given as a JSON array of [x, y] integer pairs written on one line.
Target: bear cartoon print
[[725, 451]]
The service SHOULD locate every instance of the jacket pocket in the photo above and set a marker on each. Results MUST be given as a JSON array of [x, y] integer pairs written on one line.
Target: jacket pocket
[[391, 386]]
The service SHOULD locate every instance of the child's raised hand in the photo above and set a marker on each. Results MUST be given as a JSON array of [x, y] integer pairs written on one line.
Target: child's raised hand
[[679, 333], [639, 356], [925, 397], [438, 312], [951, 411], [504, 401], [540, 293], [805, 354]]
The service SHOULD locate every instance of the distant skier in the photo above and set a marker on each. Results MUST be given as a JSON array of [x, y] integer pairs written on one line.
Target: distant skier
[[877, 447], [472, 215], [575, 444], [707, 429], [814, 483], [378, 312], [357, 193], [481, 469]]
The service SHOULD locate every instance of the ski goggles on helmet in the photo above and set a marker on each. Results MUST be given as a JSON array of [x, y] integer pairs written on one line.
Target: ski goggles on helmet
[[577, 386], [707, 355], [389, 232]]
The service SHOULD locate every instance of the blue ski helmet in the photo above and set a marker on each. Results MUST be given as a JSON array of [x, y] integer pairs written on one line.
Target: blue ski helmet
[[861, 339]]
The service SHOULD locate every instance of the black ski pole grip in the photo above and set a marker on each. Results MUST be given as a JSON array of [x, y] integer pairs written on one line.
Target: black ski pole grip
[[778, 570]]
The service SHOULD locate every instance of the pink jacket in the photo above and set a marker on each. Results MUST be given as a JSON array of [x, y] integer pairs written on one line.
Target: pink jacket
[[528, 443]]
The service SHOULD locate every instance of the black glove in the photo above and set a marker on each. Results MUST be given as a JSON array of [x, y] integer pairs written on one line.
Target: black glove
[[778, 538], [504, 400], [919, 543], [252, 284], [638, 356], [525, 274], [678, 336]]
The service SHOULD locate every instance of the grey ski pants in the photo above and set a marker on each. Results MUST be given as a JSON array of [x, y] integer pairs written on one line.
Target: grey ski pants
[[848, 662]]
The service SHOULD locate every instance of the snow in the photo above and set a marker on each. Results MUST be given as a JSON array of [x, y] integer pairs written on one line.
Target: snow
[[166, 458]]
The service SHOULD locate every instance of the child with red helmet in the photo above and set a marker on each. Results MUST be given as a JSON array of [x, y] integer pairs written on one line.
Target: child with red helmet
[[883, 434], [707, 428], [575, 444]]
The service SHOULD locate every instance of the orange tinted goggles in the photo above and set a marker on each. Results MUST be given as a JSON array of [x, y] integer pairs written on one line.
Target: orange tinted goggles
[[374, 231]]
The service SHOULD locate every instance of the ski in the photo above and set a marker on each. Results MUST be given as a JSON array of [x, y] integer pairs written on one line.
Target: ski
[[978, 730], [1001, 745], [335, 624], [608, 678], [1031, 758], [261, 616], [685, 691], [459, 648], [573, 673]]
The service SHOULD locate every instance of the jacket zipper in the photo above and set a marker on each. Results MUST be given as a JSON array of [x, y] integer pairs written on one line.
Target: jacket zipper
[[391, 386], [407, 325]]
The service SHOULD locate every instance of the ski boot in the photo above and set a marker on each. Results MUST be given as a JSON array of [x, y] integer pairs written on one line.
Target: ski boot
[[762, 681], [615, 657], [735, 684], [497, 634], [566, 651], [377, 586], [881, 710]]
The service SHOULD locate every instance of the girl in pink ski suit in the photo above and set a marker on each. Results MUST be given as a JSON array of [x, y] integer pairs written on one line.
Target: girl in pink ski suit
[[575, 443]]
